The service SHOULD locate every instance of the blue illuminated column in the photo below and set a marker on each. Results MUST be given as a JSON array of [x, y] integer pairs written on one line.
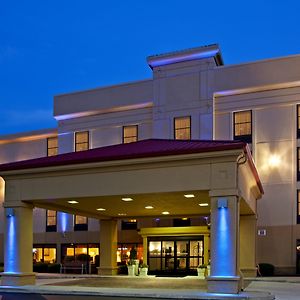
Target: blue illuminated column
[[224, 244], [18, 239]]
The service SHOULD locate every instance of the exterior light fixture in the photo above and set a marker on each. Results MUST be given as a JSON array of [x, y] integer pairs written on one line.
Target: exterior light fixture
[[222, 203], [203, 204], [101, 209], [10, 212], [121, 214], [73, 202], [189, 196], [165, 213], [274, 161], [149, 207], [127, 199]]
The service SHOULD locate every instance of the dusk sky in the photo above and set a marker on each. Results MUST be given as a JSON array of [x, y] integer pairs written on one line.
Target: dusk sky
[[50, 47]]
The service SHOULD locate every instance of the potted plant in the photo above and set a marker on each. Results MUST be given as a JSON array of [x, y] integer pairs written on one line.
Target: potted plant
[[131, 267], [201, 270], [143, 270]]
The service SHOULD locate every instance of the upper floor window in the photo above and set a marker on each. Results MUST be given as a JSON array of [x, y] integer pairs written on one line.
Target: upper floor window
[[81, 141], [80, 223], [298, 164], [130, 134], [298, 121], [182, 128], [51, 220], [181, 222], [242, 126], [52, 146]]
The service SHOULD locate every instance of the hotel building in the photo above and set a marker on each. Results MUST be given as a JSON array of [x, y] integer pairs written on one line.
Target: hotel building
[[156, 161]]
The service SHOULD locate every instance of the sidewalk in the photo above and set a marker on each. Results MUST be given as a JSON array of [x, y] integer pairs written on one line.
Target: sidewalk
[[189, 287]]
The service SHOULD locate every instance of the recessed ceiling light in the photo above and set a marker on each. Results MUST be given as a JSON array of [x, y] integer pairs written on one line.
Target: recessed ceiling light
[[121, 214], [203, 204], [73, 202], [189, 196], [184, 219], [127, 199], [101, 209], [149, 207], [165, 213]]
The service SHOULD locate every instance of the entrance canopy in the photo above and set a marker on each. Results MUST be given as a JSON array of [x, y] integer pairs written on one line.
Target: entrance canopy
[[144, 178]]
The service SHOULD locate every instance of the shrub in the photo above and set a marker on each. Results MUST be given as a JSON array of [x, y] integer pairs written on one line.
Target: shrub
[[40, 267], [83, 257], [54, 268], [266, 269]]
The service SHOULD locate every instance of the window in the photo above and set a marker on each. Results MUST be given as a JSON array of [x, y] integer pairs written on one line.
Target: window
[[52, 146], [298, 121], [81, 141], [129, 224], [298, 164], [44, 253], [51, 220], [242, 126], [80, 223], [130, 134], [182, 128], [298, 207], [182, 222]]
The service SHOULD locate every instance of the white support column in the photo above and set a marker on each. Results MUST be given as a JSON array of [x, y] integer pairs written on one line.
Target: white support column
[[18, 240], [224, 244], [108, 247], [145, 250]]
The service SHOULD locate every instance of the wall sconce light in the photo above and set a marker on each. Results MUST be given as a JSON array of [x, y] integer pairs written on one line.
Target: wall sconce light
[[222, 203], [10, 212], [274, 160]]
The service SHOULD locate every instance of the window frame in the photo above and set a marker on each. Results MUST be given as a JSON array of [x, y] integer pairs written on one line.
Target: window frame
[[81, 226], [247, 138], [298, 206], [298, 163], [123, 133], [181, 128], [51, 148], [76, 144], [51, 228], [298, 120]]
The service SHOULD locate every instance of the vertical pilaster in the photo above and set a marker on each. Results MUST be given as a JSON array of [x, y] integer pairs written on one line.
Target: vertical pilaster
[[18, 240], [224, 244], [145, 250], [206, 249], [248, 245], [108, 247]]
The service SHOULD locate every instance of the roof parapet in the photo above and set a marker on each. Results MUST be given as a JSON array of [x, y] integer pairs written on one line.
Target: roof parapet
[[186, 55]]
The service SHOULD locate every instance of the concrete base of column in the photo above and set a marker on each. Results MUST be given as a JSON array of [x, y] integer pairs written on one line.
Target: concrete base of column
[[224, 285], [16, 279], [107, 271], [249, 272]]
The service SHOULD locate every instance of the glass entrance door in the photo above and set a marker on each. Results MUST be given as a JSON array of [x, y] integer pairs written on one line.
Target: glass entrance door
[[169, 255]]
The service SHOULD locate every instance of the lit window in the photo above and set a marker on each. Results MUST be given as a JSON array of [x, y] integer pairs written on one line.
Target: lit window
[[182, 128], [242, 126], [298, 207], [81, 141], [44, 253], [52, 146], [80, 223], [51, 220], [130, 134], [298, 121]]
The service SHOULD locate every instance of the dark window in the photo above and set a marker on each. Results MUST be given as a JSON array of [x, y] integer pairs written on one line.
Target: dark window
[[129, 224], [130, 134], [181, 222], [51, 220], [298, 207], [80, 223], [242, 127], [182, 128], [52, 146], [81, 141], [298, 121]]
